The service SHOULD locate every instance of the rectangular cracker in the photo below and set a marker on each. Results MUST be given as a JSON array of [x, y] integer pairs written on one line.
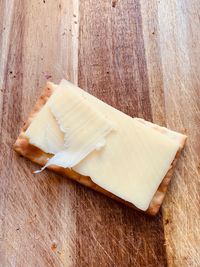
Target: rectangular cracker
[[23, 147]]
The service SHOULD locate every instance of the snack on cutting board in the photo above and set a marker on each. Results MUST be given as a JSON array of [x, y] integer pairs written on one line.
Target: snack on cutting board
[[77, 135]]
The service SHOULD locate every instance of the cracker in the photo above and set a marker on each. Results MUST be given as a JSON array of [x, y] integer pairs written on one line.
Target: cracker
[[23, 147]]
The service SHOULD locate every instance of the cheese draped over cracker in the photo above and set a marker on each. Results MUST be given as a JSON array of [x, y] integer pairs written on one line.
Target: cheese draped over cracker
[[68, 120], [123, 155]]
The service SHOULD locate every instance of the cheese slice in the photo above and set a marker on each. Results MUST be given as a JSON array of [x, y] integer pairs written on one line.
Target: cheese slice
[[131, 163], [44, 132], [83, 125], [134, 160], [81, 128]]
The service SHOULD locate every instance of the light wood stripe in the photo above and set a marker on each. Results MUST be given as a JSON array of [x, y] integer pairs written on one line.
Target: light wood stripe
[[172, 53], [38, 223], [181, 63]]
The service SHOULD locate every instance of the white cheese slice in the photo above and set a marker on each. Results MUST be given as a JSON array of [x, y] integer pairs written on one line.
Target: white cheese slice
[[134, 160], [69, 121], [85, 129], [44, 132], [83, 125]]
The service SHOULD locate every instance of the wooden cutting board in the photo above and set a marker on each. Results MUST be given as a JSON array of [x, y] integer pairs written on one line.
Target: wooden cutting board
[[142, 57]]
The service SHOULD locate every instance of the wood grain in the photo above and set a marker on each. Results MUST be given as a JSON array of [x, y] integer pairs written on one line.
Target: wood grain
[[143, 58], [39, 42], [172, 52], [112, 66]]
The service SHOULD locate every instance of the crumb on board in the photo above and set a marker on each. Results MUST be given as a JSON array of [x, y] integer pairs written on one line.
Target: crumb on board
[[48, 76], [53, 246], [114, 2], [167, 221]]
